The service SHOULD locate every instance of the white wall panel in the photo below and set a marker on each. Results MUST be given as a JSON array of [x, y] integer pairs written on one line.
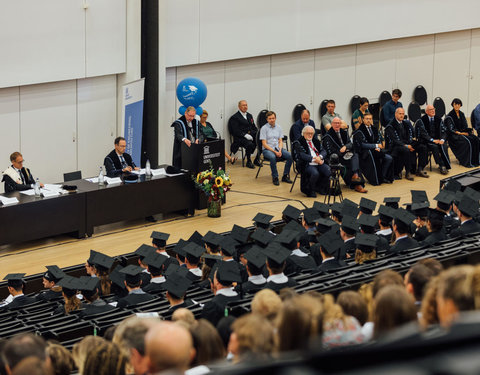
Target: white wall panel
[[292, 84], [9, 126], [96, 121], [474, 83], [105, 37], [451, 65], [48, 129]]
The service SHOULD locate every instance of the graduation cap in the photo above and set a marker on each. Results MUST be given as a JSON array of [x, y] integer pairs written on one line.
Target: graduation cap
[[92, 256], [159, 238], [288, 238], [330, 242], [240, 234], [228, 245], [102, 262], [155, 260], [420, 209], [144, 250], [366, 242], [322, 208], [212, 239], [419, 196], [347, 201], [472, 193], [367, 220], [349, 225], [132, 273], [336, 208], [228, 272], [386, 213], [263, 220], [262, 236], [193, 249], [350, 210], [117, 277], [310, 215], [179, 247], [434, 214], [444, 199], [197, 238], [404, 216], [277, 253], [70, 285], [295, 226], [255, 256], [211, 260], [291, 212], [177, 285], [391, 202], [88, 285], [175, 268], [452, 185], [367, 206], [324, 224], [15, 280], [54, 273], [468, 206], [458, 197]]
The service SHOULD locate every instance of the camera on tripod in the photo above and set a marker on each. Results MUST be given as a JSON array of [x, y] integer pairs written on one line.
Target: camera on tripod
[[334, 162]]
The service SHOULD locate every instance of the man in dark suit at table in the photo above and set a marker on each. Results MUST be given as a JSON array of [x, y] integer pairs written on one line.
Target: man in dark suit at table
[[118, 161], [242, 127], [186, 130], [17, 177]]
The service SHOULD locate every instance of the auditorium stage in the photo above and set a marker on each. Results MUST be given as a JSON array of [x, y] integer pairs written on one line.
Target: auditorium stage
[[248, 196]]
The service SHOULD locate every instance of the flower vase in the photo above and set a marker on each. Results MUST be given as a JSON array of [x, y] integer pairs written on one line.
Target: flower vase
[[214, 208]]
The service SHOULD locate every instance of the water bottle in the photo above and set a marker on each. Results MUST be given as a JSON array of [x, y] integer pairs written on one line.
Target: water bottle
[[101, 179], [148, 171], [36, 187]]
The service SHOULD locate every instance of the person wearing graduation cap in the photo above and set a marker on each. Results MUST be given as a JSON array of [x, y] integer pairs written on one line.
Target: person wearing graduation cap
[[276, 261], [348, 230], [227, 250], [93, 303], [212, 242], [466, 209], [401, 229], [159, 241], [385, 217], [444, 204], [310, 215], [133, 282], [367, 206], [391, 202], [242, 237], [222, 286], [366, 245], [15, 286], [176, 287], [329, 245], [102, 264], [262, 220], [179, 253], [291, 213], [143, 251], [89, 266], [298, 260], [367, 226], [156, 264], [50, 282], [70, 287], [255, 264], [262, 237], [193, 252], [436, 232], [420, 210]]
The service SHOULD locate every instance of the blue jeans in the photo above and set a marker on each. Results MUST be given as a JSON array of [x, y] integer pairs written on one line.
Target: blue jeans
[[272, 158]]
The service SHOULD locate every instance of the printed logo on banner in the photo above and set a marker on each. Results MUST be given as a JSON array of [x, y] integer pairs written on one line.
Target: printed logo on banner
[[206, 150]]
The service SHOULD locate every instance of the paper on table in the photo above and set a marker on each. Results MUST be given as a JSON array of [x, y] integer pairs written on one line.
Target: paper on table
[[93, 179], [158, 172], [52, 187], [8, 201], [28, 192], [49, 193], [139, 172], [174, 174], [113, 180]]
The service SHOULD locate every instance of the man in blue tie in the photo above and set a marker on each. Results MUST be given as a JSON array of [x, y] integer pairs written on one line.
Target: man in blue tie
[[118, 161]]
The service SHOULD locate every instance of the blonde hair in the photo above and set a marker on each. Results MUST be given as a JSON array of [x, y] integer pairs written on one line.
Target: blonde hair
[[255, 336], [461, 284], [429, 311], [184, 316], [60, 358], [204, 112], [361, 257], [366, 291], [81, 349], [266, 303]]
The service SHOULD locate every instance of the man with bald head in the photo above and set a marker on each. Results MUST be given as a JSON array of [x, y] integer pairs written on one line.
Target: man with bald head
[[432, 133], [298, 126], [168, 347], [244, 131]]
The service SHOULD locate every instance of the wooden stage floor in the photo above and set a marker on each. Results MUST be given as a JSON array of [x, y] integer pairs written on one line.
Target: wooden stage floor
[[249, 196]]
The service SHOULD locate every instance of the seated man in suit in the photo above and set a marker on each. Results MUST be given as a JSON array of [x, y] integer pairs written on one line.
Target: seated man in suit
[[118, 161], [401, 228], [300, 124], [328, 117], [276, 261], [177, 286], [50, 279], [193, 252], [15, 286], [255, 264], [244, 132], [436, 232], [159, 242], [374, 161], [186, 130], [311, 163], [336, 141], [133, 284], [18, 177], [156, 265], [433, 135], [329, 244], [466, 209], [298, 260], [94, 304]]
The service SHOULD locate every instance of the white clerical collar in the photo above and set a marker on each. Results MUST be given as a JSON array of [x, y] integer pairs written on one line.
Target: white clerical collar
[[158, 280], [279, 278], [227, 292], [399, 238], [299, 253], [257, 279]]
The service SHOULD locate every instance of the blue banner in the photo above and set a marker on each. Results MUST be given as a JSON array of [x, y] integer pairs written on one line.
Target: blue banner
[[133, 118]]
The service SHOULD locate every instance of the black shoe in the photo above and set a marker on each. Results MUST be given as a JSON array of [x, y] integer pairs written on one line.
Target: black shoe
[[443, 170], [387, 181], [398, 176], [312, 195], [151, 219], [250, 164], [422, 173], [257, 162], [275, 181], [286, 179]]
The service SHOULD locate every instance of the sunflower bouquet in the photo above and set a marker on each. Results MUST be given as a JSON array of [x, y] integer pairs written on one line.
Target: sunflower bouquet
[[213, 183]]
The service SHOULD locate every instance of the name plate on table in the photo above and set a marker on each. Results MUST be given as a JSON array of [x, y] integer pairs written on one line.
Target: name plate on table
[[4, 201]]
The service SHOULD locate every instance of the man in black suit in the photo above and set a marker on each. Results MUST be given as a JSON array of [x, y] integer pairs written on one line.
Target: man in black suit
[[297, 127], [348, 230], [15, 286], [310, 157], [186, 130], [436, 232], [466, 209], [118, 161], [17, 177], [330, 244], [433, 135], [401, 229], [156, 264], [255, 264], [50, 279], [298, 260], [177, 286], [276, 261], [94, 304], [133, 283], [159, 242], [193, 252], [242, 127]]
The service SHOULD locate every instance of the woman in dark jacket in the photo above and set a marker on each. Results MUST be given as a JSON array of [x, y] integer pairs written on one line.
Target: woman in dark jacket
[[209, 133]]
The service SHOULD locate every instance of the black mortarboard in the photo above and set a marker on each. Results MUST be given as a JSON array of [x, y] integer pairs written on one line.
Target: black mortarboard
[[144, 250], [117, 277], [210, 260], [212, 239], [262, 236], [435, 214], [175, 268], [349, 225], [70, 285], [420, 209], [324, 224], [155, 260], [310, 215], [452, 185], [386, 213], [15, 280], [404, 216], [54, 273], [367, 206], [444, 199], [197, 238], [228, 245], [132, 273], [88, 285], [391, 202], [472, 193], [179, 247], [240, 234], [468, 206], [367, 220], [350, 210], [322, 208], [291, 212], [228, 272], [288, 238], [177, 285], [419, 196], [366, 242], [276, 252], [295, 226], [458, 197], [159, 238], [263, 220], [194, 249], [330, 242], [255, 256], [347, 201], [92, 256], [103, 261], [336, 208]]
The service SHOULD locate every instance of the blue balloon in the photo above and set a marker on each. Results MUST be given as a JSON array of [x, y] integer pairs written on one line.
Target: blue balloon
[[199, 110], [191, 92], [182, 110]]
